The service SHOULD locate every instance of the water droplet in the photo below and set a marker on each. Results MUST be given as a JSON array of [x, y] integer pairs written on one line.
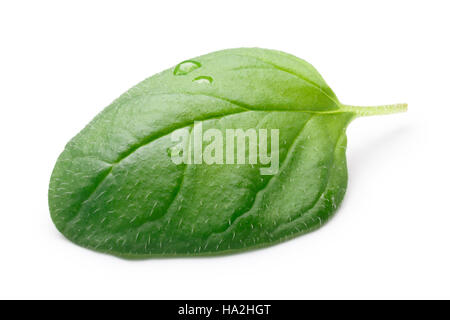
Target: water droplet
[[203, 79], [185, 67]]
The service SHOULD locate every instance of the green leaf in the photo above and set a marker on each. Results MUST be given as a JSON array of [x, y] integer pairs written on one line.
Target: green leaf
[[116, 188]]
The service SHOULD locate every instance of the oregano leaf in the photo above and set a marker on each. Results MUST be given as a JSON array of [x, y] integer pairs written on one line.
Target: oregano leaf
[[124, 186]]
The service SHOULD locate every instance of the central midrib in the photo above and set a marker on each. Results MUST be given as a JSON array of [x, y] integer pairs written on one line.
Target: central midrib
[[245, 108]]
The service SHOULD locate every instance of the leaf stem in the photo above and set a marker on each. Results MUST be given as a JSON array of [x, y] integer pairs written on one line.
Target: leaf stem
[[377, 110]]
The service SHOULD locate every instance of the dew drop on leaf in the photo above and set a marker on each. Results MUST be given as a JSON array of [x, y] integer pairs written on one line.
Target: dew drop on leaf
[[203, 79], [186, 67]]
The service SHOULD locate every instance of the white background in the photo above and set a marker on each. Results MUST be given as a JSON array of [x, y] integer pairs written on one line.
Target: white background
[[62, 62]]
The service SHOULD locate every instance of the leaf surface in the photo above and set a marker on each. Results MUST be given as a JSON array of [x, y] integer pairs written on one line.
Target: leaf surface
[[116, 189]]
